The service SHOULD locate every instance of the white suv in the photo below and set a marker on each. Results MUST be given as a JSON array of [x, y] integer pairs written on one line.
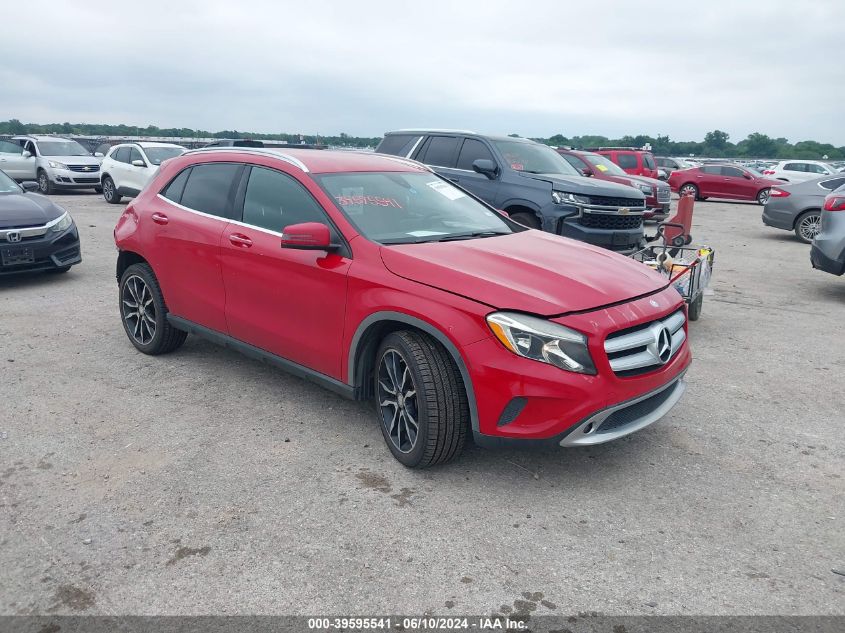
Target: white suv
[[128, 167], [800, 170]]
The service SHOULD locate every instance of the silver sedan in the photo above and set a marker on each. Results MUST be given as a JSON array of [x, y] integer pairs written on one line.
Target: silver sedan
[[797, 207]]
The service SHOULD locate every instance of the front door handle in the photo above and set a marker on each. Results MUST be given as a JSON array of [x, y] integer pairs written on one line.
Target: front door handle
[[239, 239], [160, 218]]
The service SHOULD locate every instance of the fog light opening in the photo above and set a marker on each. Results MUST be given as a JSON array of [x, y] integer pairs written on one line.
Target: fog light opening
[[588, 429]]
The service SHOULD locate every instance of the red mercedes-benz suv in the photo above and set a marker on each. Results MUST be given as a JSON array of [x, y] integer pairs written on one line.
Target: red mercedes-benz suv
[[380, 280]]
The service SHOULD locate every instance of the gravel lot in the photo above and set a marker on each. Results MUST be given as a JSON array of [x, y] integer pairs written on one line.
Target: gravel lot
[[204, 482]]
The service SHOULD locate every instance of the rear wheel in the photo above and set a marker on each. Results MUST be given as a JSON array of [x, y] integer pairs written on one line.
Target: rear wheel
[[688, 189], [808, 225], [144, 313], [110, 191], [420, 400], [526, 219], [763, 196]]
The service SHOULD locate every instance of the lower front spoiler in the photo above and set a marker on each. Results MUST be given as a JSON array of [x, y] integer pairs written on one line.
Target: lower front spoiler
[[606, 425]]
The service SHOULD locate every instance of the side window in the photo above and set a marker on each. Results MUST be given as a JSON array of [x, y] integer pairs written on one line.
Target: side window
[[794, 167], [648, 161], [816, 169], [174, 190], [732, 172], [473, 150], [208, 187], [135, 154], [576, 162], [7, 147], [30, 147], [398, 144], [275, 200], [713, 170], [626, 161], [122, 155], [440, 151], [833, 183]]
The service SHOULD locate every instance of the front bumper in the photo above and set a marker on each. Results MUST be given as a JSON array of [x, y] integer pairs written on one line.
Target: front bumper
[[48, 253], [528, 403], [68, 179]]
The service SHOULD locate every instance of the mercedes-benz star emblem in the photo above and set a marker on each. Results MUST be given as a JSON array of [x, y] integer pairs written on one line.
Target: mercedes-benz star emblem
[[664, 345], [13, 236]]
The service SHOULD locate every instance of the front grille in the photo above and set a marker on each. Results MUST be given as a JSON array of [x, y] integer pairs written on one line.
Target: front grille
[[605, 201], [634, 412], [91, 169], [646, 347], [664, 195], [86, 181], [611, 222]]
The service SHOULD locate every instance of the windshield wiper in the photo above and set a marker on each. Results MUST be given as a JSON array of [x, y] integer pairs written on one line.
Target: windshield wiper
[[471, 236]]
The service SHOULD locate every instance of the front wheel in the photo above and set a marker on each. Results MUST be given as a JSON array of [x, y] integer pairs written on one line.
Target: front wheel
[[45, 185], [144, 313], [110, 194], [420, 400], [808, 225], [694, 310], [763, 196], [526, 219]]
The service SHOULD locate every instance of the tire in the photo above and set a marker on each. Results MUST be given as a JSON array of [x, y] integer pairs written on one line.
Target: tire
[[694, 310], [98, 190], [763, 196], [150, 333], [45, 185], [416, 380], [808, 225], [688, 188], [526, 219], [110, 194]]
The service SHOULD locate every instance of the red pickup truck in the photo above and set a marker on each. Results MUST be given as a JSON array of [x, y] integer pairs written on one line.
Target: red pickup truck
[[637, 162]]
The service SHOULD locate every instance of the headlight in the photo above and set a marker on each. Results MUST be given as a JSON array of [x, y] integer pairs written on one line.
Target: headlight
[[542, 340], [646, 189], [61, 224], [562, 197], [56, 165]]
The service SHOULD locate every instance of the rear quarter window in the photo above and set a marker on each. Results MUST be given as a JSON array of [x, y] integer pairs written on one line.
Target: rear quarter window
[[398, 144], [173, 191]]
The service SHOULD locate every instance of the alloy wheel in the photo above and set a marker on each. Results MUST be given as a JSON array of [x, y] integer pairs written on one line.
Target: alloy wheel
[[139, 311], [43, 183], [397, 396], [763, 196], [810, 226], [108, 189], [688, 189]]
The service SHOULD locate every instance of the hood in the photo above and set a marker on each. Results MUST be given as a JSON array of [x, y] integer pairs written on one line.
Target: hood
[[19, 210], [75, 160], [586, 186], [530, 271]]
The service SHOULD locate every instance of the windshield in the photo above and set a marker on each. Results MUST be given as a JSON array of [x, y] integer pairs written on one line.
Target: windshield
[[62, 147], [7, 185], [605, 165], [404, 208], [159, 154], [534, 158]]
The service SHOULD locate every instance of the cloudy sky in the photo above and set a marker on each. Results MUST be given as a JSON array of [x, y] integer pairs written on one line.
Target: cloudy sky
[[362, 67]]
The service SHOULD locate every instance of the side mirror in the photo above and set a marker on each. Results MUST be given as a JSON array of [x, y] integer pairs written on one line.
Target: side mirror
[[746, 176], [485, 166], [308, 236], [29, 185], [138, 163], [26, 154], [586, 172], [98, 154]]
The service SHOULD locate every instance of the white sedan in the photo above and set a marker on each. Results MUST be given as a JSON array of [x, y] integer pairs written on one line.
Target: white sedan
[[799, 170]]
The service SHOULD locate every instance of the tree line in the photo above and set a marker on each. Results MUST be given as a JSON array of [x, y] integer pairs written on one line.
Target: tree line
[[716, 144]]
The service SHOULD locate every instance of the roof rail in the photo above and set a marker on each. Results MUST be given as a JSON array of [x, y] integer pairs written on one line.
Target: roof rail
[[262, 151], [432, 129]]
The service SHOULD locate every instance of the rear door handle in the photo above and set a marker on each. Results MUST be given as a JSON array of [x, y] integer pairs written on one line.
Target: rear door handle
[[160, 218], [239, 239]]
